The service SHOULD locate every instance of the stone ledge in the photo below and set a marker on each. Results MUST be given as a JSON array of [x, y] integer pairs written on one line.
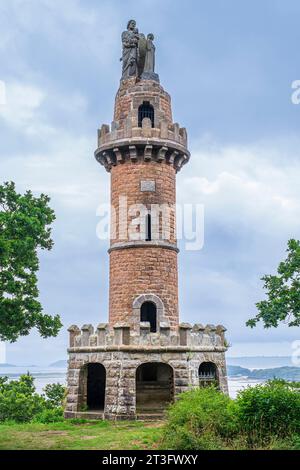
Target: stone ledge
[[143, 244], [147, 349]]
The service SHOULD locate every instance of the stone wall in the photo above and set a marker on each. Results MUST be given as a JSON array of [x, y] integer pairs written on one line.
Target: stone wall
[[121, 367], [133, 92], [142, 270], [127, 191]]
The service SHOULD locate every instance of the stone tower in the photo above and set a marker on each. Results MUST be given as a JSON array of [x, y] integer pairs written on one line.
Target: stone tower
[[139, 361]]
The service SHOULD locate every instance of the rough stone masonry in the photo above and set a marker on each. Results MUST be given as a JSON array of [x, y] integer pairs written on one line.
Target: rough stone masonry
[[138, 362]]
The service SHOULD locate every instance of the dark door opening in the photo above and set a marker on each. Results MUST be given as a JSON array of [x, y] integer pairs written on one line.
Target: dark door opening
[[154, 387], [96, 378], [148, 313]]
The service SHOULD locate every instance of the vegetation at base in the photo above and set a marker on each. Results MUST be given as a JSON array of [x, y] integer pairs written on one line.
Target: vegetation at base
[[81, 435], [262, 417], [19, 401], [269, 411]]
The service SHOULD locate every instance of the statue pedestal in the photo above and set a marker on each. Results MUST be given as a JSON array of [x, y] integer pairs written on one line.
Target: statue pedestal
[[150, 76]]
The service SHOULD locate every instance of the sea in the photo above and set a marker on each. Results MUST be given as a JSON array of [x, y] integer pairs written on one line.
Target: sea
[[49, 375]]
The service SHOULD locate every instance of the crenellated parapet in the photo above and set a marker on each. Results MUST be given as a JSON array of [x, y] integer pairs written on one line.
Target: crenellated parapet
[[165, 144], [142, 135], [186, 336], [168, 132]]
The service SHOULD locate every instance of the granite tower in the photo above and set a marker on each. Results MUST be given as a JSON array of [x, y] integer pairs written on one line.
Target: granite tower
[[139, 361]]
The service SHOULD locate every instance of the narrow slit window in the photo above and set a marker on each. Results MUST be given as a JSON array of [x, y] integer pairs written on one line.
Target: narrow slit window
[[148, 228]]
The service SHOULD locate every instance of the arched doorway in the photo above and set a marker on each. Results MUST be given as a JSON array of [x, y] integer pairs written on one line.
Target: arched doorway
[[96, 379], [149, 314], [208, 374], [154, 387]]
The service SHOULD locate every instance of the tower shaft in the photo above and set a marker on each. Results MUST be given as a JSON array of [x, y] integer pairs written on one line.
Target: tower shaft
[[143, 150]]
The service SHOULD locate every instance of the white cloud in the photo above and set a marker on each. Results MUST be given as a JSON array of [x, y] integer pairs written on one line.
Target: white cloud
[[22, 105], [249, 186], [73, 28]]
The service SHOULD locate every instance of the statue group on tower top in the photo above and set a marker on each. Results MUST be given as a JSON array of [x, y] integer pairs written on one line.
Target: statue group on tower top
[[138, 55]]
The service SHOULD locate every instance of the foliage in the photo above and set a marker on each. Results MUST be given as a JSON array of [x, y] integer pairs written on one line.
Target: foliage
[[54, 395], [268, 411], [51, 415], [262, 417], [265, 416], [25, 223], [200, 419], [283, 292], [18, 400], [289, 443]]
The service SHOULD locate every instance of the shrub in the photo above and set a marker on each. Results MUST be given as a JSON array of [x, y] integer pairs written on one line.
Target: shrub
[[51, 415], [20, 403], [203, 418], [268, 411], [18, 400]]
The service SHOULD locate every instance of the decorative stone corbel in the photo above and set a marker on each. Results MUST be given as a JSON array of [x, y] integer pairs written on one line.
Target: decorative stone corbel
[[118, 155], [148, 152], [161, 156], [172, 157], [133, 152]]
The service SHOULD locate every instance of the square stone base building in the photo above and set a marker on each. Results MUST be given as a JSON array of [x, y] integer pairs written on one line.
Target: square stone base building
[[138, 362]]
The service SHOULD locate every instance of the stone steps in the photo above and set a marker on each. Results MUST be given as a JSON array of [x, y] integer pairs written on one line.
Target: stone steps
[[90, 414]]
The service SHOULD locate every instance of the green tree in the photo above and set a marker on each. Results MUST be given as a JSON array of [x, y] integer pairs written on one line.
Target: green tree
[[283, 292], [54, 395], [24, 229], [18, 399]]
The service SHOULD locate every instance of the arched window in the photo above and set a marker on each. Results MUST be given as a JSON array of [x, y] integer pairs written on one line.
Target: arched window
[[148, 232], [148, 313], [146, 110], [208, 374]]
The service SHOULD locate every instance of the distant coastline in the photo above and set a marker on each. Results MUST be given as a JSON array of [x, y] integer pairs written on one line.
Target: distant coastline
[[248, 367], [286, 373]]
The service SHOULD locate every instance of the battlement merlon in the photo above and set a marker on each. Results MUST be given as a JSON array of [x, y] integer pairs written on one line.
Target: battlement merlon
[[121, 336]]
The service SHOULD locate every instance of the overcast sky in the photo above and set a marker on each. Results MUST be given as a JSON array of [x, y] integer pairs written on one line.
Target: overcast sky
[[229, 67]]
